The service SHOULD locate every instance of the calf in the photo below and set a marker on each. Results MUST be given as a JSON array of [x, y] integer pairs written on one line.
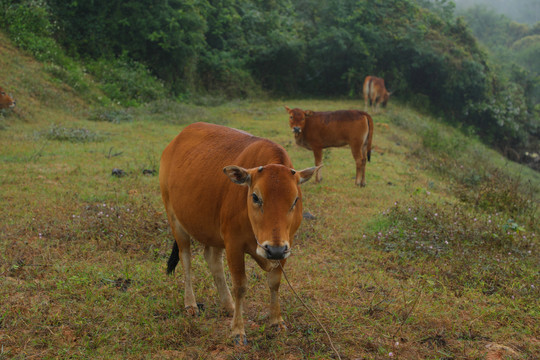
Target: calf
[[318, 130], [254, 208], [375, 92]]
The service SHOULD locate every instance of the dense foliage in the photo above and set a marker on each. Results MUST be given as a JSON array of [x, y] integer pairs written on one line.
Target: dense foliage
[[236, 48], [514, 50]]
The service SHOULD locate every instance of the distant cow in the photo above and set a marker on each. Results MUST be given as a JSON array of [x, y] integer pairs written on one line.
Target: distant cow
[[318, 130], [254, 208], [6, 101], [375, 92]]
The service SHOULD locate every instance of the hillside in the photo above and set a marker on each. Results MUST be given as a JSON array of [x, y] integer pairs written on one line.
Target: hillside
[[438, 257], [243, 49]]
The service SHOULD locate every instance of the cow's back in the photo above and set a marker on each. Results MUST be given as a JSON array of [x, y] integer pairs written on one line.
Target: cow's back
[[336, 128], [192, 181], [378, 86]]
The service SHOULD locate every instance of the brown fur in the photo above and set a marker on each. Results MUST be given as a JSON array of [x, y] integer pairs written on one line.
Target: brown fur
[[319, 130], [206, 205], [6, 101], [375, 92]]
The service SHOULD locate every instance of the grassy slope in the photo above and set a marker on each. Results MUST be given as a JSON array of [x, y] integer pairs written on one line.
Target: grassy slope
[[82, 253]]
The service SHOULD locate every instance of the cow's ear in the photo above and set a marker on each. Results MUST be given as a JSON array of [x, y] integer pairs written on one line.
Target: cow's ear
[[287, 108], [308, 113], [306, 174], [238, 175]]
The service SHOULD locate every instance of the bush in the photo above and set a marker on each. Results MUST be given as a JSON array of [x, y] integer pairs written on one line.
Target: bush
[[126, 82], [29, 26], [112, 115], [75, 135]]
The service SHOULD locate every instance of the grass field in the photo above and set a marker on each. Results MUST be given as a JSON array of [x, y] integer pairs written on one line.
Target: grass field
[[437, 258]]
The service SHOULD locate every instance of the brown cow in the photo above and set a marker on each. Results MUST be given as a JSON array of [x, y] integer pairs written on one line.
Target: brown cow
[[375, 92], [6, 101], [318, 130], [255, 208]]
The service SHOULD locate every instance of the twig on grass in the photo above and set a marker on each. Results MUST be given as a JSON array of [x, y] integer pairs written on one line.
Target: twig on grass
[[311, 312]]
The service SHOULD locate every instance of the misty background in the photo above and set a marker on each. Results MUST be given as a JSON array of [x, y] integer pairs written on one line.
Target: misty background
[[523, 11]]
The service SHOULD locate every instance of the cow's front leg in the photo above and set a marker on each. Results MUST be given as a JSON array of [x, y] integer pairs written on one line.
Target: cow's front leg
[[317, 152], [274, 280], [235, 260]]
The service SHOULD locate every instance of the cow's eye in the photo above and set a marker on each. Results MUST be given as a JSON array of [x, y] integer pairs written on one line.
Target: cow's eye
[[256, 199]]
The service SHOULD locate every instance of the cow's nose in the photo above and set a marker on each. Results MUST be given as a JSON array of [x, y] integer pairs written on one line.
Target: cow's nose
[[297, 130], [276, 252]]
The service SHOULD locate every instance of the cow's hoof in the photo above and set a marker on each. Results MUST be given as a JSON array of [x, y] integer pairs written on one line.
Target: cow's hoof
[[192, 310], [279, 326], [229, 311], [240, 340]]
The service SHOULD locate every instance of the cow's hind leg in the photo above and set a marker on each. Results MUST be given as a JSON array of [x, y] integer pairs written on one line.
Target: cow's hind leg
[[359, 152], [214, 258], [184, 247]]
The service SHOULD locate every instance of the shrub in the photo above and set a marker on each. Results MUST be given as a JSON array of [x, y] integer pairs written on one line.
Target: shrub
[[75, 135], [115, 116], [126, 82], [29, 26]]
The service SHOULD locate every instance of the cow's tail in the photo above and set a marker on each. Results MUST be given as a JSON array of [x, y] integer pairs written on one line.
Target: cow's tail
[[370, 136], [173, 259]]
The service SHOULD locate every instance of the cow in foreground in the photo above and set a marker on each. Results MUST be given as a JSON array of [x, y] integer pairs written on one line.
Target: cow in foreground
[[6, 101], [231, 191], [375, 92], [318, 130]]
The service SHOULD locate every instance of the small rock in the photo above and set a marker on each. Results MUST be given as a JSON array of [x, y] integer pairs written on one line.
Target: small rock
[[118, 172]]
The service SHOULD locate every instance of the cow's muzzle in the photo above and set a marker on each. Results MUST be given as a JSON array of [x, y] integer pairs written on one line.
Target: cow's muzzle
[[276, 252], [297, 130], [273, 252]]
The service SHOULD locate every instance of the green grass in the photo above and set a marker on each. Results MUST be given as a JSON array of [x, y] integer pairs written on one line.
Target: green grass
[[83, 253]]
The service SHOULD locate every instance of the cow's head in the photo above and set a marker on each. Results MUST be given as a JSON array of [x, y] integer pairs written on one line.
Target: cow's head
[[274, 205], [297, 120], [385, 97], [6, 101]]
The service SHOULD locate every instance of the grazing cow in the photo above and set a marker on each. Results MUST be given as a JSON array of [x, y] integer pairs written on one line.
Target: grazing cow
[[318, 130], [6, 101], [375, 92], [254, 208]]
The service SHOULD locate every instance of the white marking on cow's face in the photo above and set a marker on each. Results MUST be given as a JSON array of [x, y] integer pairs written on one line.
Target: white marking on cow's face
[[267, 251]]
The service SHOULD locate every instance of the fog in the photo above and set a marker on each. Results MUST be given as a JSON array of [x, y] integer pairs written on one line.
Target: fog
[[523, 11]]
